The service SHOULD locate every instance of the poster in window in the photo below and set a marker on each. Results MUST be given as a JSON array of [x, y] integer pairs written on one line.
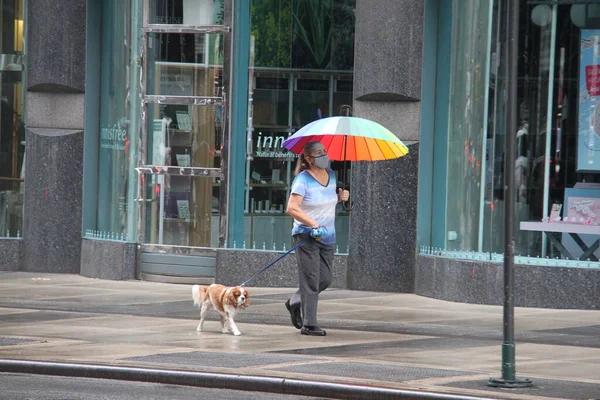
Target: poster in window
[[588, 143]]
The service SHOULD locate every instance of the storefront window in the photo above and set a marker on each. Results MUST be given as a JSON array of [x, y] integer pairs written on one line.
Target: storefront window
[[557, 167], [12, 132], [114, 174], [467, 120], [534, 90], [182, 210], [301, 61]]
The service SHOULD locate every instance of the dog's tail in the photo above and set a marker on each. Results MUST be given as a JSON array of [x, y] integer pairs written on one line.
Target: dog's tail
[[199, 294]]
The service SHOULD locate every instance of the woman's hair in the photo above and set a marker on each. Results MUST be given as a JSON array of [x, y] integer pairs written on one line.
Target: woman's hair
[[302, 164]]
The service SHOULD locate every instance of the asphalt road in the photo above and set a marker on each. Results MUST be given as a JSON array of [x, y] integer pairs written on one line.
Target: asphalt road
[[42, 387]]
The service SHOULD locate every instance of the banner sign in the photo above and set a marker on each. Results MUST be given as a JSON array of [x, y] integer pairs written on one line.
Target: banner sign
[[588, 143]]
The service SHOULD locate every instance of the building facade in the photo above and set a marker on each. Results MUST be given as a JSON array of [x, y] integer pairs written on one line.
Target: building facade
[[462, 170], [144, 140]]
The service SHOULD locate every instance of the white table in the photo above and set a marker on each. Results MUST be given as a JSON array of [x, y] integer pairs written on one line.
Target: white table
[[554, 229]]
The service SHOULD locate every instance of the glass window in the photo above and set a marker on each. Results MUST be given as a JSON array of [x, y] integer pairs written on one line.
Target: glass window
[[12, 131], [466, 120], [186, 12], [185, 204], [534, 88], [184, 210], [114, 174], [301, 61], [557, 166]]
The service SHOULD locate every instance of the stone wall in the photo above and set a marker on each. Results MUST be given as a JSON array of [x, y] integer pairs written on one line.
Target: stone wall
[[483, 283], [387, 89], [56, 45], [236, 266]]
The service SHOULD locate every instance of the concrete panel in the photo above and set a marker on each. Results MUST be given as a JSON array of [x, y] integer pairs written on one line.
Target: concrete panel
[[383, 226], [236, 266], [388, 50], [401, 118], [53, 193], [11, 253], [55, 110], [56, 45], [108, 260], [483, 283]]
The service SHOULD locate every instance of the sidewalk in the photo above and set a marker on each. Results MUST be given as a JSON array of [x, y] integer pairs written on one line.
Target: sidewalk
[[387, 340]]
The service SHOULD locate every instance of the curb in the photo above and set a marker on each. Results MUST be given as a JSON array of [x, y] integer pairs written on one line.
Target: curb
[[222, 381]]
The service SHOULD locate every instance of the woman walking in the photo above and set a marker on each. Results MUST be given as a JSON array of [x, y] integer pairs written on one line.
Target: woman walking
[[312, 204]]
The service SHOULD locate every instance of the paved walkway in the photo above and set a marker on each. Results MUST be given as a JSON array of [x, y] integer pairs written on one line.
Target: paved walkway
[[387, 340]]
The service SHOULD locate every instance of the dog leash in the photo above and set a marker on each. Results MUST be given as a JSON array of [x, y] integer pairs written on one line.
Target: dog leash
[[273, 263]]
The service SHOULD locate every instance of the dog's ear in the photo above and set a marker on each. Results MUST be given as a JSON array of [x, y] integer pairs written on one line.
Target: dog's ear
[[247, 301], [231, 299]]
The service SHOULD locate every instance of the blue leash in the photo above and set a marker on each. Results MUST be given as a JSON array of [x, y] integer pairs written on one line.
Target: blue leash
[[270, 265]]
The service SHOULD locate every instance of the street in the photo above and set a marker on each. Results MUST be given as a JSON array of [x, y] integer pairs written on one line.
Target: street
[[40, 387]]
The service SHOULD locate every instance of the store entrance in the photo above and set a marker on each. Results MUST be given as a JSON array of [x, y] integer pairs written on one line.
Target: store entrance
[[183, 120]]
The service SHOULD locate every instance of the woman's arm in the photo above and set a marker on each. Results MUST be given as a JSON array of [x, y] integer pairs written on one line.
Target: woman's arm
[[295, 211]]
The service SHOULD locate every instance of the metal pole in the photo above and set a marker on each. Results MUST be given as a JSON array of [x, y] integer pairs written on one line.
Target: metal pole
[[346, 205], [508, 346]]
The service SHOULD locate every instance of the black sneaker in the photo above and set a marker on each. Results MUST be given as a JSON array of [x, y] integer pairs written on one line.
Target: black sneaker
[[295, 314], [312, 331]]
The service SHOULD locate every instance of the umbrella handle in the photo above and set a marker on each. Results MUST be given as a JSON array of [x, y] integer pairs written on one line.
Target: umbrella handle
[[350, 204], [348, 207]]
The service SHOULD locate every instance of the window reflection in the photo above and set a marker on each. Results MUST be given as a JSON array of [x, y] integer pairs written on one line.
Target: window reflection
[[557, 163], [302, 55], [184, 210], [12, 132]]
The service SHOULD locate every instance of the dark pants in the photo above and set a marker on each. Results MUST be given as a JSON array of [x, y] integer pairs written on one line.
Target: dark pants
[[314, 271]]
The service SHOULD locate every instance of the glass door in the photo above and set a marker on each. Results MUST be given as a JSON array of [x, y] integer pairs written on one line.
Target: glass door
[[183, 119]]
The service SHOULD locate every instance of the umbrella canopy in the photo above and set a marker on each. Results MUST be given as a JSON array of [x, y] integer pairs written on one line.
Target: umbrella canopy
[[349, 139]]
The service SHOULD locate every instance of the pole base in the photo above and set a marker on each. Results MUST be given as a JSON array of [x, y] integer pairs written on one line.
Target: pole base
[[509, 384]]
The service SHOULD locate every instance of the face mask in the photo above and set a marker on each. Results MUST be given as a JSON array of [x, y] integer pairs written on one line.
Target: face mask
[[322, 161]]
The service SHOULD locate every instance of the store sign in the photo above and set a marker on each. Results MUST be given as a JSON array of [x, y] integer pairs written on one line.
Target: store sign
[[272, 147], [167, 19], [113, 138], [588, 143]]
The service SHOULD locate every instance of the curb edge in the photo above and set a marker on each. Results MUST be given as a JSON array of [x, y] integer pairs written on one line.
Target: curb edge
[[221, 381]]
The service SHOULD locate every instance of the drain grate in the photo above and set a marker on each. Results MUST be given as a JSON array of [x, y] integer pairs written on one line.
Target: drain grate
[[40, 316], [380, 372], [395, 347], [223, 360], [6, 341]]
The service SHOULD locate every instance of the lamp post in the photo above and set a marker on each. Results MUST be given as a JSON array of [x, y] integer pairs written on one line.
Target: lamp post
[[508, 379]]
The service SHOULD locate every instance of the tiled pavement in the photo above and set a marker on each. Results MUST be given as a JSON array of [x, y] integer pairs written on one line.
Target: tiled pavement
[[381, 339]]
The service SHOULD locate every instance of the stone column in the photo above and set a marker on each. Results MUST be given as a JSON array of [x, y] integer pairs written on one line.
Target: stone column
[[387, 89], [54, 137]]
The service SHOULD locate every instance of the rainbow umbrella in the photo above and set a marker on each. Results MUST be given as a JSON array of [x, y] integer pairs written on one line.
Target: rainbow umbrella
[[349, 139]]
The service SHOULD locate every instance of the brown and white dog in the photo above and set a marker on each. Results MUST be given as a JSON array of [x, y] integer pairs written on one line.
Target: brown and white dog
[[227, 301]]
